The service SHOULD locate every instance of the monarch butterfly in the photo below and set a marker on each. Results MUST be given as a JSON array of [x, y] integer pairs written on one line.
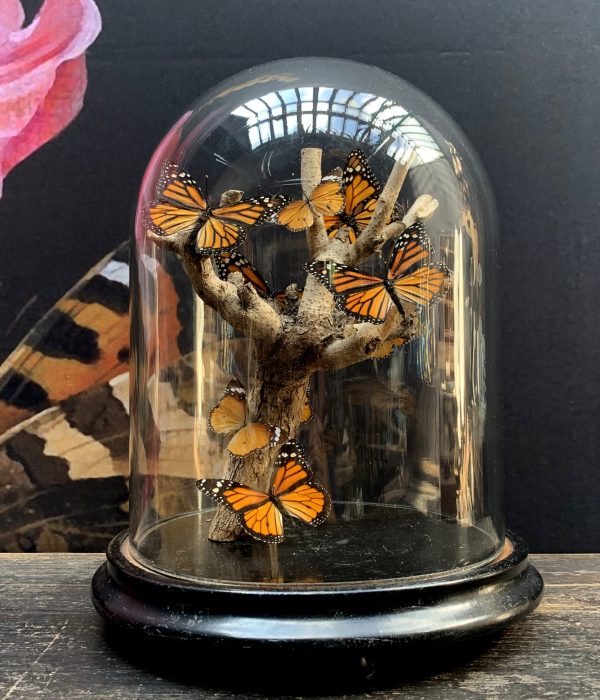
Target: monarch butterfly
[[292, 492], [361, 192], [230, 262], [410, 276], [230, 415], [326, 199], [181, 208]]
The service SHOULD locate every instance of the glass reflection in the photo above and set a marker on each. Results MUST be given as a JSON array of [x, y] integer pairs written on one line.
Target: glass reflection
[[359, 116]]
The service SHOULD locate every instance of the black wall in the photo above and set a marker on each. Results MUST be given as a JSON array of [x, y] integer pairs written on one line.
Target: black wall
[[522, 78]]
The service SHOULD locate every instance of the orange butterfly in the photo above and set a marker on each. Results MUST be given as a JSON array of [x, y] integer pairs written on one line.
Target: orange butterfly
[[326, 199], [292, 492], [230, 415], [410, 276], [361, 192], [182, 208], [230, 262]]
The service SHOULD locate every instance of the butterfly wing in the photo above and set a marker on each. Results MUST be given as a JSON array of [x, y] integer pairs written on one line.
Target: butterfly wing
[[252, 211], [180, 204], [296, 216], [361, 191], [223, 229], [358, 294], [295, 492], [228, 263], [327, 198], [81, 342], [415, 277], [231, 411], [254, 436], [387, 348], [255, 511], [218, 235], [285, 298]]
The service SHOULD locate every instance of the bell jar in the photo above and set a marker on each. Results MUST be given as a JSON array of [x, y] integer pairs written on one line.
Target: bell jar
[[314, 377]]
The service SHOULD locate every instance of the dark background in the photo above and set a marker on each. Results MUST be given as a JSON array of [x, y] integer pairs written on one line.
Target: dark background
[[522, 78]]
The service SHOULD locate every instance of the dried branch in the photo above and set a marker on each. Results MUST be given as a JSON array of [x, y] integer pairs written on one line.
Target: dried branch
[[316, 235], [364, 339], [238, 303], [373, 237]]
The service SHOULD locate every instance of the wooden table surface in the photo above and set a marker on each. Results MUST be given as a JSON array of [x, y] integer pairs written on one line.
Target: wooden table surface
[[52, 644]]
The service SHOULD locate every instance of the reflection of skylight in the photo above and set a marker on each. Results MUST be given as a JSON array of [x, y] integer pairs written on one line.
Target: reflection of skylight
[[360, 116]]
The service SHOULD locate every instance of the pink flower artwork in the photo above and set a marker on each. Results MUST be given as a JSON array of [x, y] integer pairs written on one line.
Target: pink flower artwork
[[43, 75]]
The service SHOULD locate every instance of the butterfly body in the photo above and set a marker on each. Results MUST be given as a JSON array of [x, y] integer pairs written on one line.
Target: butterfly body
[[293, 492]]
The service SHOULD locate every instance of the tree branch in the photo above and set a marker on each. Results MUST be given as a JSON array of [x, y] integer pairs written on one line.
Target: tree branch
[[422, 208], [310, 168], [364, 340]]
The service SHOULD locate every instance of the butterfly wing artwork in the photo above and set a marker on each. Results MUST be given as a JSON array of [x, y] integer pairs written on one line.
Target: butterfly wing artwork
[[64, 424], [82, 341], [63, 473]]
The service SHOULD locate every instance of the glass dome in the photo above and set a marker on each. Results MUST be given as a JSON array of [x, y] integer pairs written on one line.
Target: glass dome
[[313, 377]]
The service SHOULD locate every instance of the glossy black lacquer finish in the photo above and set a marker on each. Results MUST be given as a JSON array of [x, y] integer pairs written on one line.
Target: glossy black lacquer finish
[[435, 610]]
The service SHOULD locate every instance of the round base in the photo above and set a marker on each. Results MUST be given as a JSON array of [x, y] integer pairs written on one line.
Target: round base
[[427, 610]]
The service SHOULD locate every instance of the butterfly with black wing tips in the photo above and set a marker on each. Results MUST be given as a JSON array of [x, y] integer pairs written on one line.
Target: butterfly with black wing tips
[[361, 192], [182, 208], [411, 276], [293, 492]]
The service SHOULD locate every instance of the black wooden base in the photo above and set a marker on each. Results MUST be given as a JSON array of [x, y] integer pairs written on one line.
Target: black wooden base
[[426, 610]]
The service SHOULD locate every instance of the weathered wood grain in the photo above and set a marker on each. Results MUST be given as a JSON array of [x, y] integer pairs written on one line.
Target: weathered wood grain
[[52, 643]]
